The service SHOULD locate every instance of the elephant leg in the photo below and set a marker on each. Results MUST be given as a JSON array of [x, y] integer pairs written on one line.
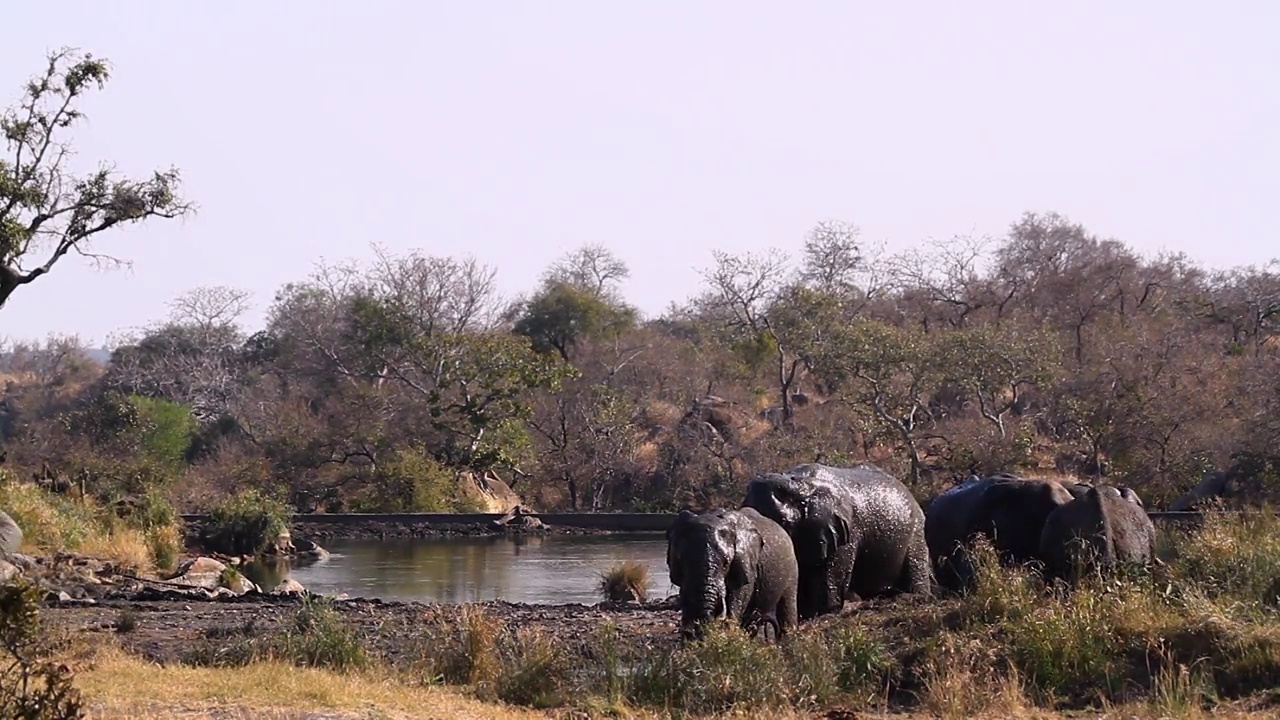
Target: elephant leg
[[737, 602], [787, 615], [917, 577]]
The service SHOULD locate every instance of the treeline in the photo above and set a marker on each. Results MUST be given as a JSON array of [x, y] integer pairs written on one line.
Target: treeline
[[411, 384]]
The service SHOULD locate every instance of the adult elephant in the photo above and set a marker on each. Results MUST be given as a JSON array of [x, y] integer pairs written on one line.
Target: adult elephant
[[1100, 530], [856, 530], [1080, 489], [1007, 510], [734, 564]]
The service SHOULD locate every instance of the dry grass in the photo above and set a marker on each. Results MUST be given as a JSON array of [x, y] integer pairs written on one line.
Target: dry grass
[[121, 686], [126, 547], [627, 580], [52, 523]]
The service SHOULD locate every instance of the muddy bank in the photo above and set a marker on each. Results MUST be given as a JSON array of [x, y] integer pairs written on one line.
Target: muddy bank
[[173, 629]]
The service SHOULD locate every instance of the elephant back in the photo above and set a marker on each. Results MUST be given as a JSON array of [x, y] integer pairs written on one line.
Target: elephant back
[[948, 516], [1103, 523], [1012, 514]]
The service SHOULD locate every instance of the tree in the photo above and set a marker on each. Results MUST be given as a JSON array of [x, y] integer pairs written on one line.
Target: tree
[[593, 269], [996, 364], [894, 371], [46, 211]]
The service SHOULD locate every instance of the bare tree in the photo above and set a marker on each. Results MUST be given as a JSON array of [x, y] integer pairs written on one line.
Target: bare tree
[[209, 308], [593, 268], [45, 210], [438, 294], [832, 259]]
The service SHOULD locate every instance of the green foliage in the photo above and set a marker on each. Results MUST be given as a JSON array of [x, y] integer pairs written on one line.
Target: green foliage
[[31, 687], [167, 429], [45, 210], [413, 481], [246, 523], [561, 316]]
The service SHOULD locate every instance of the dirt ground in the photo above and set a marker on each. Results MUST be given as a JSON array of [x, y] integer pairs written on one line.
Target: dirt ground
[[165, 630]]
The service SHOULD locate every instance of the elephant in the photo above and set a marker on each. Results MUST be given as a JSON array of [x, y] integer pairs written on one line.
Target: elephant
[[856, 530], [1008, 510], [734, 564], [1099, 530], [1079, 489]]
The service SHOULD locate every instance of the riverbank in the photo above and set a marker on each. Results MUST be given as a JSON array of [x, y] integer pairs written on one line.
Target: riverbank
[[1196, 635], [291, 658]]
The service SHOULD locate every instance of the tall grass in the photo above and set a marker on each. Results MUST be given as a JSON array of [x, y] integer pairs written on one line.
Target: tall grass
[[52, 523], [1182, 640]]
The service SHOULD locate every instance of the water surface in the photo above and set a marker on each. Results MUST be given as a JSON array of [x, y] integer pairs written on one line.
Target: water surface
[[540, 569]]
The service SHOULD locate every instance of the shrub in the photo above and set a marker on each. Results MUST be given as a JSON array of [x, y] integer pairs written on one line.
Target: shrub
[[320, 638], [246, 523], [413, 481], [464, 649], [624, 582], [52, 522], [1233, 556], [726, 669], [31, 687]]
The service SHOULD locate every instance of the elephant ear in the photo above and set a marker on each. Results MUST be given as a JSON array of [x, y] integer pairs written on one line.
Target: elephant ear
[[685, 516], [674, 566], [748, 547]]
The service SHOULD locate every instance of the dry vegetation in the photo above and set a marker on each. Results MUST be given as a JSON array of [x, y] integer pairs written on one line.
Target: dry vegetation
[[1194, 638], [411, 384]]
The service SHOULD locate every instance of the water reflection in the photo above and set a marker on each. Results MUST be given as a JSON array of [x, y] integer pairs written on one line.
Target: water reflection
[[538, 569]]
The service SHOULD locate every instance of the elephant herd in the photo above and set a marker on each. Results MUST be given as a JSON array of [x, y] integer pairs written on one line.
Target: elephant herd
[[805, 540]]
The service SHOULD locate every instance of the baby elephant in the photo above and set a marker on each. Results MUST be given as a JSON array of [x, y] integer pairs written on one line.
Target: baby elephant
[[732, 564]]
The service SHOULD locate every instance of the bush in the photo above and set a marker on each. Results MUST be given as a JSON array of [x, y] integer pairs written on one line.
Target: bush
[[31, 687], [315, 637], [624, 582], [414, 481], [246, 523], [52, 522]]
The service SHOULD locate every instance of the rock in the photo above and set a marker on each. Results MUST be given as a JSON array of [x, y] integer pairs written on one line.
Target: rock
[[289, 586], [57, 597], [24, 562], [208, 574], [10, 534], [8, 571]]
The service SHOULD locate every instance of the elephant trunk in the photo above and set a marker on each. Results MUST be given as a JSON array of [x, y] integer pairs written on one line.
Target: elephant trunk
[[706, 600]]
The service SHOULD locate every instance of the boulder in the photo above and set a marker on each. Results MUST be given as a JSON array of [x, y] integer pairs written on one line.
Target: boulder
[[10, 534], [209, 574], [289, 586], [8, 571]]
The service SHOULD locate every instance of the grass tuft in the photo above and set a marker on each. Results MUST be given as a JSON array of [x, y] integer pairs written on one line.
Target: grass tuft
[[625, 582]]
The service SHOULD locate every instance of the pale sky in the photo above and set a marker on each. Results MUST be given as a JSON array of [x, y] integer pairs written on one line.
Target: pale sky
[[517, 131]]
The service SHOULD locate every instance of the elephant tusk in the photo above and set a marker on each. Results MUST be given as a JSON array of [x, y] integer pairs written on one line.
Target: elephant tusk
[[724, 605]]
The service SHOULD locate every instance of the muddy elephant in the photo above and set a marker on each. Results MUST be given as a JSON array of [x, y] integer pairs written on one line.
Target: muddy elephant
[[856, 530], [733, 564], [1080, 489], [1008, 510], [1097, 531]]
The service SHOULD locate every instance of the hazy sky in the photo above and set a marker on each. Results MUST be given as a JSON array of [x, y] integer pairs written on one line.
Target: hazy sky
[[518, 131]]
